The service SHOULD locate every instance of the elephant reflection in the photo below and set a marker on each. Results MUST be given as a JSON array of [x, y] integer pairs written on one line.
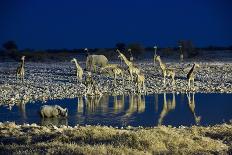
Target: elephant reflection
[[119, 103], [191, 104], [56, 121], [167, 107], [136, 104]]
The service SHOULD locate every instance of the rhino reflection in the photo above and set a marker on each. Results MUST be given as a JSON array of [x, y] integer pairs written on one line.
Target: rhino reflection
[[167, 107], [191, 104], [119, 103], [57, 121], [136, 104]]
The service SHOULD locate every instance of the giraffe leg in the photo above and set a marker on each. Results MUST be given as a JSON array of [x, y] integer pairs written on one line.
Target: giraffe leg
[[131, 74], [123, 82], [164, 80], [173, 80], [115, 76], [189, 84], [193, 85]]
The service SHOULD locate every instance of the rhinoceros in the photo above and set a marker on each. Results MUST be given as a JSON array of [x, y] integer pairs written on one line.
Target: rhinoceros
[[53, 111]]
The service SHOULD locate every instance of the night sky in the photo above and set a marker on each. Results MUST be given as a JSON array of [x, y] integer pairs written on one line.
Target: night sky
[[43, 24]]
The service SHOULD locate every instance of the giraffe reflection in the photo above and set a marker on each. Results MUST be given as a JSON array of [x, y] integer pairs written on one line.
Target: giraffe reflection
[[191, 104], [22, 109], [80, 105], [167, 107], [92, 102], [136, 104], [119, 102]]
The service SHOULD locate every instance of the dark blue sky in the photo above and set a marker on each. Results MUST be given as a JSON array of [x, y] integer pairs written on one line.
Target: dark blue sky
[[43, 24]]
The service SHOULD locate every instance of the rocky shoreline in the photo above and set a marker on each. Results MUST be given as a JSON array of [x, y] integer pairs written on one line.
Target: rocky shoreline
[[34, 139], [45, 81]]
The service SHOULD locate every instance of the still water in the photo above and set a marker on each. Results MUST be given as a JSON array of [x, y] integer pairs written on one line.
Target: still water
[[134, 110]]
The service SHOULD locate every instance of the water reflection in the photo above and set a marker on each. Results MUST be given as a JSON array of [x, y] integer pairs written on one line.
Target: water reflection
[[156, 102], [168, 105], [136, 104], [191, 105], [22, 110], [80, 105], [92, 103], [133, 109], [119, 103]]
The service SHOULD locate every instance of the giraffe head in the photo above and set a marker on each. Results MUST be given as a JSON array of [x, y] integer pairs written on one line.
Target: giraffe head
[[157, 58], [74, 60], [23, 58], [197, 65], [120, 54]]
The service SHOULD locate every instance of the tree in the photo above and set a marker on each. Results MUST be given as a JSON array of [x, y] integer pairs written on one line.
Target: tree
[[188, 48], [121, 46], [136, 49], [11, 49], [10, 46]]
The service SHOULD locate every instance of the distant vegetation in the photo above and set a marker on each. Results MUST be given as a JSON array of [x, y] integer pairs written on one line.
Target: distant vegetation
[[11, 52]]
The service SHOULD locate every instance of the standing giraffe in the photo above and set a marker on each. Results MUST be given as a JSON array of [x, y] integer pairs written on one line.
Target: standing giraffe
[[131, 56], [181, 54], [20, 72], [155, 48], [166, 71], [79, 70], [191, 76], [131, 67], [191, 104]]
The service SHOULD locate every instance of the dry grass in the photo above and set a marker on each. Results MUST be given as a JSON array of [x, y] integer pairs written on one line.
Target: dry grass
[[30, 139]]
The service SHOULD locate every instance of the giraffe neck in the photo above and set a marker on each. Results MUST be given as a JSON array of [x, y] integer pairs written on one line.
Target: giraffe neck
[[162, 65], [192, 69], [22, 64], [76, 64], [127, 62]]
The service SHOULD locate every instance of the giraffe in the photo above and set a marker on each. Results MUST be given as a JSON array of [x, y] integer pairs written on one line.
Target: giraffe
[[131, 67], [181, 54], [20, 72], [79, 70], [116, 71], [191, 76], [140, 82], [131, 56], [167, 107], [166, 71], [155, 48], [191, 104]]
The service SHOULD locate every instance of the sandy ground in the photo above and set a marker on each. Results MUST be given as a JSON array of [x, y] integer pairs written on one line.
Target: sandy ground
[[34, 139], [45, 81]]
